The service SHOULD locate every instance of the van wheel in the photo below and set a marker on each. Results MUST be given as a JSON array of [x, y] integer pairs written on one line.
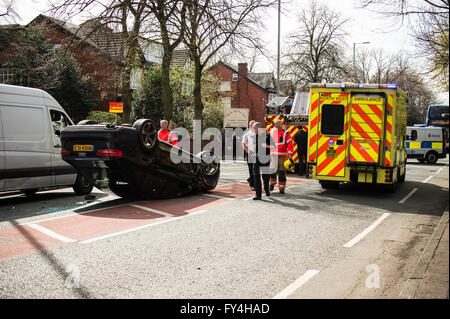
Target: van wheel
[[30, 192], [431, 157], [147, 134], [329, 184], [82, 185]]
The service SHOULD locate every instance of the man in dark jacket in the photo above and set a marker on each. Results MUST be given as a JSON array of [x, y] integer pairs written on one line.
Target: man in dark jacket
[[301, 139], [261, 158]]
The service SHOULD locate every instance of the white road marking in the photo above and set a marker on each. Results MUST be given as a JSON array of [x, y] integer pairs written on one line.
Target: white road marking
[[140, 227], [152, 210], [408, 196], [352, 242], [296, 284], [426, 181], [440, 170], [50, 233]]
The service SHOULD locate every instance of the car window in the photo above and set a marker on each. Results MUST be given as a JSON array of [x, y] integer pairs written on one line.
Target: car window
[[59, 120]]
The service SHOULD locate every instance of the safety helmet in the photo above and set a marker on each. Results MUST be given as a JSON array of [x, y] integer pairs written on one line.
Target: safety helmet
[[289, 164]]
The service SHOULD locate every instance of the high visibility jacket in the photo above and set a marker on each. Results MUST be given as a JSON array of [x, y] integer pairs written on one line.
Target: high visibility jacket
[[168, 136], [283, 143]]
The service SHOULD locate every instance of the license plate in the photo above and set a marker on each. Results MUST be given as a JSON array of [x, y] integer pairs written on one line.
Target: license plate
[[331, 153], [83, 148]]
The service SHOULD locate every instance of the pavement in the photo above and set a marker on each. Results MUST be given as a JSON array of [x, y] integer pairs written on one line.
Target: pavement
[[429, 280]]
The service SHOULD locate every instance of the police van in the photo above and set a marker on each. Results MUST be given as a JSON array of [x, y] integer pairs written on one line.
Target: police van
[[426, 144]]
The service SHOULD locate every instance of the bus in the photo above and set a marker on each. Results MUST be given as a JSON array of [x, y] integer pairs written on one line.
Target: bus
[[438, 116]]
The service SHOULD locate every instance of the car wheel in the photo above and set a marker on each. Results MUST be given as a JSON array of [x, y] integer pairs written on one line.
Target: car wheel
[[86, 122], [147, 134], [431, 157], [30, 192], [82, 185]]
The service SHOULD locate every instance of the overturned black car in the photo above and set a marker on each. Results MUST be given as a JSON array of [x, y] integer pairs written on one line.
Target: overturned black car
[[131, 162]]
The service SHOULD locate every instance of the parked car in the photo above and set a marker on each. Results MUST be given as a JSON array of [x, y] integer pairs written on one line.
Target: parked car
[[131, 162], [30, 147]]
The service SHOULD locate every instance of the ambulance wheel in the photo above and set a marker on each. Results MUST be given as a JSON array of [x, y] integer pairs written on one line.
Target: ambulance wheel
[[431, 157], [390, 188], [329, 184], [147, 134]]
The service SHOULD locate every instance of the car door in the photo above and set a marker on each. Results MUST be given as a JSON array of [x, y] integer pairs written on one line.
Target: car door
[[63, 172]]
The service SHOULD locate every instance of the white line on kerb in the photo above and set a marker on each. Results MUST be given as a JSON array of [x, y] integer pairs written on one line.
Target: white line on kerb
[[140, 227], [50, 233], [296, 284], [426, 181], [366, 231], [408, 196], [440, 170]]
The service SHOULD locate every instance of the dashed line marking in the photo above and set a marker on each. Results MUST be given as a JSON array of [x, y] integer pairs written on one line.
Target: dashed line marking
[[296, 284], [408, 196], [426, 181], [364, 233]]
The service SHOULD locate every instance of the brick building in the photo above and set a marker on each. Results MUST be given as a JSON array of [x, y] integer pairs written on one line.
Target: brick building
[[239, 88], [100, 66]]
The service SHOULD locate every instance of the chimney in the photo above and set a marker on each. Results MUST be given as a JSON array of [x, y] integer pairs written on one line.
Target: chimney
[[242, 68]]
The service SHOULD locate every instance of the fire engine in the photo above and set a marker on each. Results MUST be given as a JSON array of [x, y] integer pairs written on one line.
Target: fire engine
[[292, 114], [357, 133]]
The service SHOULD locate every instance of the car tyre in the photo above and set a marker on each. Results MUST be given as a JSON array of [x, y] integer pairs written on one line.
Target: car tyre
[[86, 122], [329, 184], [82, 185], [431, 157], [30, 192], [147, 133]]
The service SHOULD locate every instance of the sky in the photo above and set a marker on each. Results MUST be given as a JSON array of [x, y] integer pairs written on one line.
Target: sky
[[364, 25]]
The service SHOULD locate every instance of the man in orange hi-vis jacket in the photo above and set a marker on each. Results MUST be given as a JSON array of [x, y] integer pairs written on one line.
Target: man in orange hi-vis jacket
[[165, 135], [282, 151]]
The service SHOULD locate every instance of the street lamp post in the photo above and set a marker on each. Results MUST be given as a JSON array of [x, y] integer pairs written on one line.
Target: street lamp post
[[354, 56], [278, 53]]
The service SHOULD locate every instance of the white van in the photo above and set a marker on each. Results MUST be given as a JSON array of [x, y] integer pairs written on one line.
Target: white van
[[30, 148], [427, 144]]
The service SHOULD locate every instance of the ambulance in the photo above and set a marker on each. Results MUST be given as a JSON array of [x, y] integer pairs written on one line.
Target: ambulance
[[357, 133]]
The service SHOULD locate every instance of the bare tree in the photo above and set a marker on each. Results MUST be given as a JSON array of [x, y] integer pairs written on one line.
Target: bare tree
[[315, 49], [170, 19], [429, 25], [216, 24], [7, 11]]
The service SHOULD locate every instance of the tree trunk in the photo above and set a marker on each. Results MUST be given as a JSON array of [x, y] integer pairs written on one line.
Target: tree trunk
[[166, 88], [198, 104]]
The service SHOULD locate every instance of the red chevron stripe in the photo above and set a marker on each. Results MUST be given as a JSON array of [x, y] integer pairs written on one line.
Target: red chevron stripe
[[363, 153]]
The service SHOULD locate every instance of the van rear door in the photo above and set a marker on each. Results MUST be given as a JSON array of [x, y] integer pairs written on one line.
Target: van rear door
[[332, 134], [366, 128]]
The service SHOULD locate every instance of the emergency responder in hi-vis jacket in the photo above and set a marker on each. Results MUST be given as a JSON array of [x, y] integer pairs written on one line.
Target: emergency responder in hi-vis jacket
[[282, 151], [165, 135]]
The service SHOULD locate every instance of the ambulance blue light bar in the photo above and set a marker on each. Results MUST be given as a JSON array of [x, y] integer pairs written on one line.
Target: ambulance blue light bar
[[353, 85]]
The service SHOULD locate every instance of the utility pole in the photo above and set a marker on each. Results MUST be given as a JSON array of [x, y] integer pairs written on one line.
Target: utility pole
[[278, 59]]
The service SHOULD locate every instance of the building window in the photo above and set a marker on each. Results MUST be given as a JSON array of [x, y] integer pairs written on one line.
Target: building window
[[226, 102], [235, 77], [224, 86], [6, 75]]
